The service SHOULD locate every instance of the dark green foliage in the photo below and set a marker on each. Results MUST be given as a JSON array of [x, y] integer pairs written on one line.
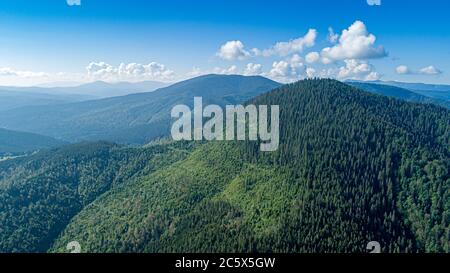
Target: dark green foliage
[[12, 142], [39, 194], [352, 167]]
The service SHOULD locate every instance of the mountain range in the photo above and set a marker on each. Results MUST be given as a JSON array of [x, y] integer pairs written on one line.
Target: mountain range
[[132, 119], [436, 91], [352, 167], [19, 97]]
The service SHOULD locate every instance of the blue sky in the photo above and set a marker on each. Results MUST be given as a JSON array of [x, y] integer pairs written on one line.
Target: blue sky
[[52, 41]]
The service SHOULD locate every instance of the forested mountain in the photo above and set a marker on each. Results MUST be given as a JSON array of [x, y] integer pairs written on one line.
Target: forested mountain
[[399, 93], [352, 167], [39, 194], [135, 118], [12, 142]]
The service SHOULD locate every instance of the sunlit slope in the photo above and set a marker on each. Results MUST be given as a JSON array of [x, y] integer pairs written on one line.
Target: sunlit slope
[[352, 167]]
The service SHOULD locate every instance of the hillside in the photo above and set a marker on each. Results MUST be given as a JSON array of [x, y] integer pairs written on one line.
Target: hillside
[[13, 142], [136, 118], [352, 168], [39, 194]]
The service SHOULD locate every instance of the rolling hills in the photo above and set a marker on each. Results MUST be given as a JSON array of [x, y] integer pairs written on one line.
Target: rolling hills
[[132, 119]]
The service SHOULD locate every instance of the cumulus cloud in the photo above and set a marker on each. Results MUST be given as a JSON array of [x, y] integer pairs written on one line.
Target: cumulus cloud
[[129, 72], [358, 70], [374, 2], [232, 70], [233, 50], [289, 70], [17, 77], [354, 43], [290, 47], [253, 69], [430, 70], [196, 71], [332, 37], [403, 70], [10, 72], [73, 2], [310, 72], [312, 57]]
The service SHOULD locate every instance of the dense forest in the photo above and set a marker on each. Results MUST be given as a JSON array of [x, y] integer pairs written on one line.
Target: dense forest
[[352, 167], [41, 193]]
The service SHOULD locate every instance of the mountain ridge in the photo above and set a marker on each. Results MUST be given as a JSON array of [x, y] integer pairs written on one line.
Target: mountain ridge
[[348, 169], [134, 118]]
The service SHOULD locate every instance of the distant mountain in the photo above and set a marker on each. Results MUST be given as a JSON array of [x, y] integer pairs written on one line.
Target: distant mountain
[[98, 89], [399, 93], [15, 99], [135, 118], [437, 91], [102, 89], [12, 142]]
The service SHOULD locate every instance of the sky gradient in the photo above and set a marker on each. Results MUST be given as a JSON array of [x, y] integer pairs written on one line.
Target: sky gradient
[[50, 41]]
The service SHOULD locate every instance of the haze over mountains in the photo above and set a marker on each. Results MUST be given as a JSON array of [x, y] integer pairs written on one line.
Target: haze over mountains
[[135, 118], [17, 97], [139, 118], [437, 91], [402, 93], [352, 167]]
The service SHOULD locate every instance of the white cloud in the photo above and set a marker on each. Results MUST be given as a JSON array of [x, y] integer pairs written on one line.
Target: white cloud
[[232, 70], [332, 37], [292, 46], [358, 70], [310, 72], [374, 2], [289, 70], [233, 50], [403, 70], [16, 77], [74, 2], [430, 70], [253, 69], [312, 57], [10, 72], [354, 43], [129, 72], [196, 71]]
